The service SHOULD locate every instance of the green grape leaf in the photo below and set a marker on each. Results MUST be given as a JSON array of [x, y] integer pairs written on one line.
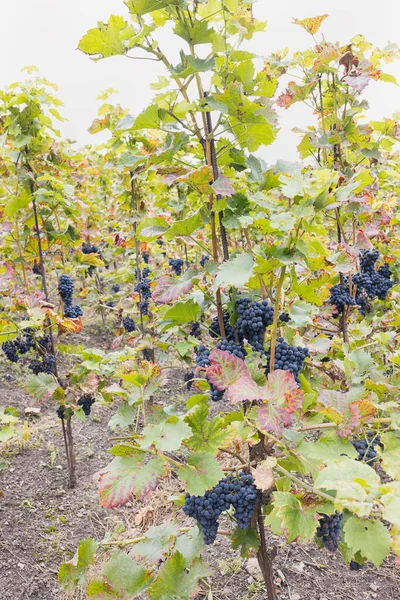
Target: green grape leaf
[[198, 33], [391, 453], [73, 573], [235, 271], [245, 539], [124, 417], [142, 7], [177, 580], [391, 502], [148, 119], [151, 228], [370, 538], [190, 544], [223, 186], [184, 227], [41, 386], [201, 473], [108, 39], [190, 65], [124, 575], [183, 312], [166, 436], [159, 541], [129, 475], [207, 436], [297, 521]]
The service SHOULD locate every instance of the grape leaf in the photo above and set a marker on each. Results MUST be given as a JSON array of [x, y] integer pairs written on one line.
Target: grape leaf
[[263, 474], [225, 369], [342, 408], [296, 520], [41, 386], [370, 538], [311, 24], [185, 227], [190, 544], [124, 575], [128, 475], [159, 541], [142, 7], [357, 82], [165, 436], [207, 436], [151, 228], [283, 399], [235, 271], [391, 453], [223, 186], [391, 502], [73, 573], [108, 39], [245, 539], [169, 289], [183, 312], [176, 580], [201, 473]]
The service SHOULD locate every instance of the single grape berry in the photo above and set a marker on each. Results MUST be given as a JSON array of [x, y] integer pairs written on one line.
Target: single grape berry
[[86, 401], [329, 530], [176, 264], [129, 324]]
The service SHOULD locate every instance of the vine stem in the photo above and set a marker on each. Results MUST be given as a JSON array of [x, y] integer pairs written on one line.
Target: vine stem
[[276, 317], [265, 558], [135, 207], [385, 420]]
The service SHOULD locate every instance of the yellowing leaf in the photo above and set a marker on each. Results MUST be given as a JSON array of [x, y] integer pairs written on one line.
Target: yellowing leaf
[[311, 24]]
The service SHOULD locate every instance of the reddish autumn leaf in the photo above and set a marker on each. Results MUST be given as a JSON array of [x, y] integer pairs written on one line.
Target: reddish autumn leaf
[[199, 179], [345, 409], [282, 398], [169, 289], [228, 372], [128, 476]]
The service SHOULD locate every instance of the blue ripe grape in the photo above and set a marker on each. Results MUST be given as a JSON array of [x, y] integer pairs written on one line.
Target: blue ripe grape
[[143, 287], [232, 348], [144, 307], [116, 288], [215, 330], [46, 365], [366, 448], [355, 566], [284, 317], [176, 264], [129, 324], [10, 350], [202, 356], [91, 270], [288, 358], [72, 311], [86, 401], [36, 268], [253, 320], [329, 530], [195, 329], [89, 249], [240, 493], [66, 288], [340, 297], [146, 272], [204, 259], [146, 257]]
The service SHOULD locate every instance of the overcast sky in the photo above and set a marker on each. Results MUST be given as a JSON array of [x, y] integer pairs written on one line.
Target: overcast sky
[[46, 33]]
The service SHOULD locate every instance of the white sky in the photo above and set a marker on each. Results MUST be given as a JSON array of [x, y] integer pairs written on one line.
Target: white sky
[[46, 33]]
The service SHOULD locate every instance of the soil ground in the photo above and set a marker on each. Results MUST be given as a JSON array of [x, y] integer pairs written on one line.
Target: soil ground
[[42, 521]]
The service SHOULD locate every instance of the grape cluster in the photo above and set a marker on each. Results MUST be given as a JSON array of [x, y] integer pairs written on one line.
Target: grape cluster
[[147, 354], [46, 365], [60, 411], [10, 350], [366, 448], [202, 361], [288, 358], [146, 257], [146, 272], [232, 348], [241, 493], [254, 318], [66, 290], [143, 287], [86, 401], [204, 259], [160, 242], [91, 270], [195, 329], [89, 249], [370, 283], [188, 380], [36, 268], [176, 264], [116, 288], [144, 307], [329, 530], [129, 324], [284, 317], [215, 330], [355, 566]]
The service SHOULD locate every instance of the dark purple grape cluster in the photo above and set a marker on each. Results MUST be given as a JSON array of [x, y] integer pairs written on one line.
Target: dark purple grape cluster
[[232, 348], [116, 288], [147, 354], [146, 272], [241, 493], [366, 448], [36, 268], [146, 257], [195, 329], [86, 401], [288, 358], [284, 317], [60, 411], [44, 343], [329, 530], [215, 330], [176, 265], [369, 283], [20, 345], [46, 365], [91, 270], [129, 324], [202, 356], [160, 242], [253, 320], [66, 290], [204, 259], [188, 380], [355, 566], [89, 249], [144, 307], [143, 287], [10, 349]]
